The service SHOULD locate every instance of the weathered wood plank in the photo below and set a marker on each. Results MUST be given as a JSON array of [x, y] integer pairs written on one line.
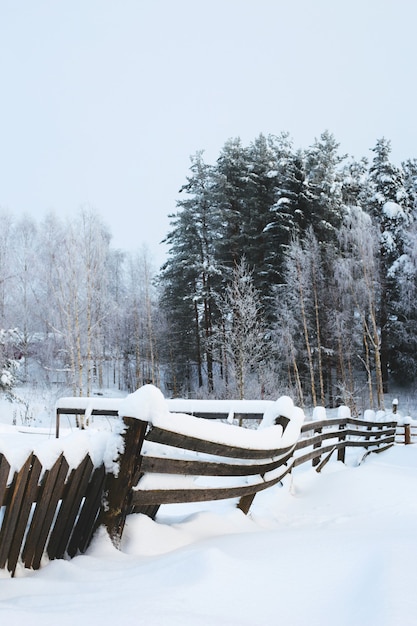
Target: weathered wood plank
[[50, 493], [362, 443], [4, 476], [176, 440], [28, 499], [84, 527], [177, 496], [11, 515], [68, 511], [148, 510], [314, 425], [163, 465], [317, 439]]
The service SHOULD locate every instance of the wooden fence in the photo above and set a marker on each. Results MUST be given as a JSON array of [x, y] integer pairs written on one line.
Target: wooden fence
[[49, 512], [55, 512]]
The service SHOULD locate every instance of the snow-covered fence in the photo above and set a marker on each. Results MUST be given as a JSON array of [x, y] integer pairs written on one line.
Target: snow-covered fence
[[406, 431], [231, 410], [167, 458], [184, 458], [320, 439], [50, 512]]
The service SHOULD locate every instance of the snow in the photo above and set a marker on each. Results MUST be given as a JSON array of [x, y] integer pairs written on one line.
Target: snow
[[319, 413], [102, 446], [338, 547], [146, 403], [393, 210], [343, 412], [149, 404]]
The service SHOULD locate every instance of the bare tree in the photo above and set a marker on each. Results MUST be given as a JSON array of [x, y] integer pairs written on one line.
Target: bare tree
[[244, 337], [357, 273]]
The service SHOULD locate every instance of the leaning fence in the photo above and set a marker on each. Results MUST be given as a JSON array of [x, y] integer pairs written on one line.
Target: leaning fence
[[53, 513]]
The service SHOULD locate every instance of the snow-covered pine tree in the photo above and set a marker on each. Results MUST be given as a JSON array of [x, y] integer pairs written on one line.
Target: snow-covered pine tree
[[230, 194], [265, 155], [191, 270], [324, 187], [389, 205], [403, 273]]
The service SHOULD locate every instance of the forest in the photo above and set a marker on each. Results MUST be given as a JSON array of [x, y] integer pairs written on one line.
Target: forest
[[288, 271]]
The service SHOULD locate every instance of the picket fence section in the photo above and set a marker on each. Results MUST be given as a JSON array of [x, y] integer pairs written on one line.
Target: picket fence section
[[50, 512], [54, 513]]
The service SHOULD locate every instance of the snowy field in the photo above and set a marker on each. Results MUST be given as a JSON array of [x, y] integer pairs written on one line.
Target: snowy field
[[336, 548]]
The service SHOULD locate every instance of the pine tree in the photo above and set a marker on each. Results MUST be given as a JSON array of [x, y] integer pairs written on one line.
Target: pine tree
[[390, 208], [288, 215], [189, 273], [230, 193], [324, 187]]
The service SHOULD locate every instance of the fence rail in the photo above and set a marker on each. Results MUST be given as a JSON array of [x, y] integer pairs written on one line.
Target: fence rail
[[55, 511]]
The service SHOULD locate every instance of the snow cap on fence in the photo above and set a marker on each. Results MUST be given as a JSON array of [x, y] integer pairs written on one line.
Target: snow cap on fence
[[283, 406], [343, 412], [147, 403], [369, 415], [319, 413]]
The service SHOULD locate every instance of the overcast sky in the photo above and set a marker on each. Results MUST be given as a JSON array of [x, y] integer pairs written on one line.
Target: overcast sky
[[104, 101]]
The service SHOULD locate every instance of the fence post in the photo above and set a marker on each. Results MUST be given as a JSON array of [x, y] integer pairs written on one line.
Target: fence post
[[342, 437], [117, 490], [316, 461], [407, 431]]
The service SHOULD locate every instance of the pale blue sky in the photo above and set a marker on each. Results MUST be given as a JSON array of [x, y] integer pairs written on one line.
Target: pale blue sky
[[104, 101]]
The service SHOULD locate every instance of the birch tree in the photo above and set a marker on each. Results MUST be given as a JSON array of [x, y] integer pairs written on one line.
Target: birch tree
[[357, 273], [244, 337]]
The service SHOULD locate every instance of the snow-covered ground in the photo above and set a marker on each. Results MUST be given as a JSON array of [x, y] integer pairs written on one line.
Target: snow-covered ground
[[338, 547]]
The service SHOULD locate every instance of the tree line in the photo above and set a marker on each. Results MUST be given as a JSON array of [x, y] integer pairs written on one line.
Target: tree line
[[288, 271], [75, 312], [295, 270]]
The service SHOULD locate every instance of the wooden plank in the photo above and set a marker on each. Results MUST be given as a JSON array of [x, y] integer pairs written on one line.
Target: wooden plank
[[318, 438], [109, 412], [376, 451], [367, 444], [177, 496], [4, 477], [75, 504], [336, 434], [368, 435], [75, 490], [327, 423], [299, 460], [51, 491], [224, 416], [11, 515], [378, 425], [29, 497], [84, 527], [176, 440], [162, 465], [324, 461], [148, 510]]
